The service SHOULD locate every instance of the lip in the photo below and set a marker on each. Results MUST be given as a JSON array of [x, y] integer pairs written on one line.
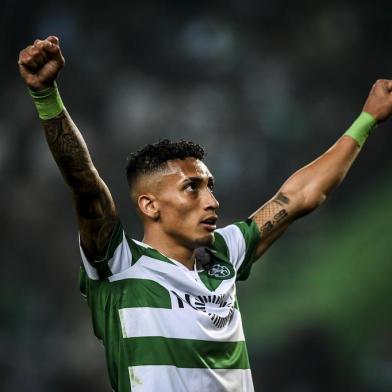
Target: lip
[[210, 226]]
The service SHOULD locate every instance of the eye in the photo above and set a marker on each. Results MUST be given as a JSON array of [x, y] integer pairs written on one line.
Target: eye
[[211, 187], [191, 187]]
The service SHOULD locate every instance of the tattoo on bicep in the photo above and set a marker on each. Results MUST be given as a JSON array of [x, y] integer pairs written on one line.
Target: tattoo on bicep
[[95, 239], [266, 227], [271, 214]]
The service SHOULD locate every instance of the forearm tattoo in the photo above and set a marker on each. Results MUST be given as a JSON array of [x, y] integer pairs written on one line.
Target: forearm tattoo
[[271, 214], [68, 147], [94, 204]]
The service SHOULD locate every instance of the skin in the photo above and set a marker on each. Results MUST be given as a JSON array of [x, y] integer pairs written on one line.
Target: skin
[[173, 202], [173, 205]]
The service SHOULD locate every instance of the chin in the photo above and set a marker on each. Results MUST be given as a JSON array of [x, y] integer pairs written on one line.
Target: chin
[[206, 240]]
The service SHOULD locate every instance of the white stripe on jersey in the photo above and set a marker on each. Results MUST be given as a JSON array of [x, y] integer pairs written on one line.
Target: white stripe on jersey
[[173, 379], [184, 323]]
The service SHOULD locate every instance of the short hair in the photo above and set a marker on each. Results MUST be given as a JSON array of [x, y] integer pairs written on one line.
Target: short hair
[[153, 157]]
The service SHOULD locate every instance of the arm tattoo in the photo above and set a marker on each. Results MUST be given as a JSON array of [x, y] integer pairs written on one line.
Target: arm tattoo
[[95, 207], [272, 213], [68, 148]]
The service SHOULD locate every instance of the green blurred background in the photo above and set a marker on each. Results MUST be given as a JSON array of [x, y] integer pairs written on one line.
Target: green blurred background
[[265, 86]]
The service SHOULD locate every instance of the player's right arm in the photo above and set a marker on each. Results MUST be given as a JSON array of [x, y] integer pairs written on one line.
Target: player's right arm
[[39, 65]]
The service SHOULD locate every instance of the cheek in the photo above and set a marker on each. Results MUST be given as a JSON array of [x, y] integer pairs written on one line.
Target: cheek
[[176, 209]]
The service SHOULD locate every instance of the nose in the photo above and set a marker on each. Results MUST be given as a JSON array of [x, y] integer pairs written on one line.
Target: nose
[[211, 203]]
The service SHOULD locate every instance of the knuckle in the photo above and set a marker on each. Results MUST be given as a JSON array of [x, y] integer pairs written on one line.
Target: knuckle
[[34, 51], [26, 58], [31, 80], [31, 63]]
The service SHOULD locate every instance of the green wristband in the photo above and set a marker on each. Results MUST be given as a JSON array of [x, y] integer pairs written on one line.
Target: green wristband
[[48, 102], [361, 128]]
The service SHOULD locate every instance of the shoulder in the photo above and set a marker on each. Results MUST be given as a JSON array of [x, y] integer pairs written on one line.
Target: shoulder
[[237, 242], [241, 235]]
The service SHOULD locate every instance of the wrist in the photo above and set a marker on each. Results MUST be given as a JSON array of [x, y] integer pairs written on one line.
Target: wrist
[[361, 128], [47, 102]]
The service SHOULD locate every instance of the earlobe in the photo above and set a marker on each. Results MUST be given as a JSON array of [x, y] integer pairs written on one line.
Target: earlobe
[[148, 205]]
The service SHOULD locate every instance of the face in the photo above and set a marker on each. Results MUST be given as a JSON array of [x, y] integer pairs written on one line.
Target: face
[[186, 204]]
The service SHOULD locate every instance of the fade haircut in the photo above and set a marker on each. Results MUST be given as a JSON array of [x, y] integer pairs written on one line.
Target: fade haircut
[[153, 157]]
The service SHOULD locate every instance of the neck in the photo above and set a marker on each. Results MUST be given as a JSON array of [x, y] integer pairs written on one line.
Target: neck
[[169, 248]]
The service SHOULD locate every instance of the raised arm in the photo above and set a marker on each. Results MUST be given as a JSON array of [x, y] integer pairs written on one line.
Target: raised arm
[[307, 188], [39, 65]]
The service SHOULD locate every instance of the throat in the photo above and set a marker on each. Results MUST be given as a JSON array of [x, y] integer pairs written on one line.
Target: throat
[[183, 255]]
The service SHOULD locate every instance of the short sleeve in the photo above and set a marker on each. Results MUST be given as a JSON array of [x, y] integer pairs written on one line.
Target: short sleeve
[[118, 256], [238, 243]]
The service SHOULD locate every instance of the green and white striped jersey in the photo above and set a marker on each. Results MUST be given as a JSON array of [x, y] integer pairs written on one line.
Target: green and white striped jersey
[[165, 327]]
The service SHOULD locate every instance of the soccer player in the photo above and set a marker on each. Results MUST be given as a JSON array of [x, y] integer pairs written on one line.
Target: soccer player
[[165, 307]]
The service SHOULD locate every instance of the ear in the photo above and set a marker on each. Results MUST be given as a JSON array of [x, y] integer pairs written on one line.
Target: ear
[[148, 205]]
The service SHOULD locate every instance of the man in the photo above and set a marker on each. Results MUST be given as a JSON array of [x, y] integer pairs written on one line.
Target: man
[[165, 308]]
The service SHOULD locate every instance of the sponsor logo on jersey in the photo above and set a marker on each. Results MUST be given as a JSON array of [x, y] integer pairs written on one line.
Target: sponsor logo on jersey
[[220, 308], [212, 304]]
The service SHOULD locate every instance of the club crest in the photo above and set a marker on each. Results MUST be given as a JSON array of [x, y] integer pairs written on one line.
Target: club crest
[[220, 271]]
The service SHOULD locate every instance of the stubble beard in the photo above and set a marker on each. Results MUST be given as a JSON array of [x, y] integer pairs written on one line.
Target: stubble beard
[[206, 240]]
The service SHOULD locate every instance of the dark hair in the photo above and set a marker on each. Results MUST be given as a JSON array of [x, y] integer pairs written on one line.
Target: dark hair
[[153, 157]]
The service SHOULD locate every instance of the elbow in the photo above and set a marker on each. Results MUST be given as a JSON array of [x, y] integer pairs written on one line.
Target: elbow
[[311, 195], [85, 181], [312, 200], [314, 196], [306, 200]]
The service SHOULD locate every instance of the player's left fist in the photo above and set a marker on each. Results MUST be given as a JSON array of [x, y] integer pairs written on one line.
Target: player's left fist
[[379, 101]]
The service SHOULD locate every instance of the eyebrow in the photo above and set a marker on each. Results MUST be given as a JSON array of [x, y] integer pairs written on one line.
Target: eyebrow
[[210, 179]]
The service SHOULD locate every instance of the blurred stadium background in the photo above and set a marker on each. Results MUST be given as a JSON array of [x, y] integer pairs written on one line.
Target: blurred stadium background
[[265, 86]]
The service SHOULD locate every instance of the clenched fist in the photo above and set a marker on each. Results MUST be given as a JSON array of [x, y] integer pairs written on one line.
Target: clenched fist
[[40, 63], [379, 101]]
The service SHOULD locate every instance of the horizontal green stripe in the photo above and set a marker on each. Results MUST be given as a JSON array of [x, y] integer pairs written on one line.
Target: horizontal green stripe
[[186, 353], [139, 293]]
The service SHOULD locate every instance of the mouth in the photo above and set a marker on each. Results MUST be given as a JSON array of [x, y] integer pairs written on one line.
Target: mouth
[[209, 223]]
